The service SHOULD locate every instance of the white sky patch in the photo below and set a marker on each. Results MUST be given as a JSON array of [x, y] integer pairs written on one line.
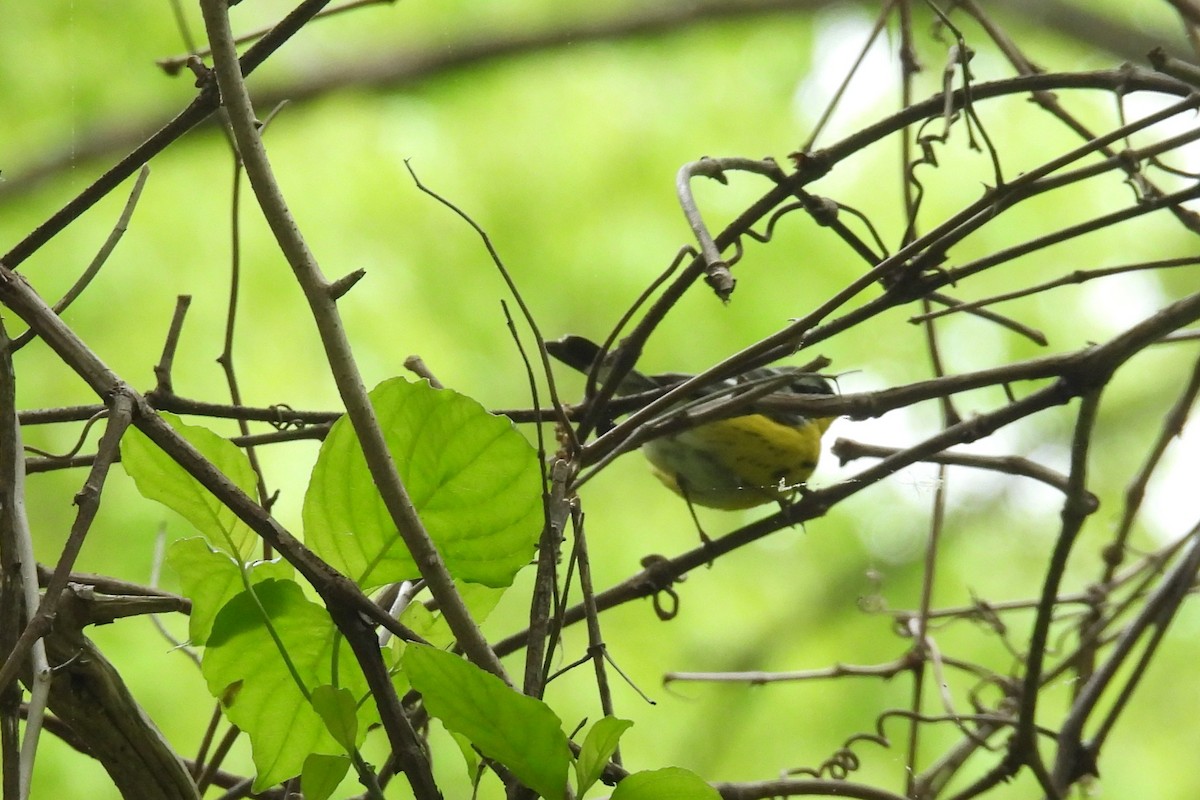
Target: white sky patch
[[1142, 104], [1119, 301], [1172, 503], [838, 36]]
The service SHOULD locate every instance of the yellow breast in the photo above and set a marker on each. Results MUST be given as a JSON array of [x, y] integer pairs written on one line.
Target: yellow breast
[[737, 463]]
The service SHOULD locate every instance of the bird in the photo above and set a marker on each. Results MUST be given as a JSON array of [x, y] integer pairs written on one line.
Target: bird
[[735, 463]]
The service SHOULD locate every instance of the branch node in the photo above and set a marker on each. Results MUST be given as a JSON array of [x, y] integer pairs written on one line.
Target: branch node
[[416, 365], [199, 69], [720, 279], [344, 284]]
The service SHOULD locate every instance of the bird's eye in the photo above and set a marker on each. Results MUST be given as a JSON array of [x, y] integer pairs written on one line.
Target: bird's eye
[[812, 385]]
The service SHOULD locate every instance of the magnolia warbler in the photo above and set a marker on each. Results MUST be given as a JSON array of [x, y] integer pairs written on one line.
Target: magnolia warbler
[[739, 462]]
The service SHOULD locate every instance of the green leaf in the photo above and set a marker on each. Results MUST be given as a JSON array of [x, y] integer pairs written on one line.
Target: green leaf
[[470, 757], [158, 477], [520, 732], [479, 600], [322, 775], [671, 783], [598, 747], [431, 626], [210, 578], [472, 477], [245, 669], [337, 710], [420, 621]]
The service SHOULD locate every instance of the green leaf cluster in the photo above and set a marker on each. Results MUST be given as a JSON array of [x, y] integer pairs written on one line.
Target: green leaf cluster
[[273, 657]]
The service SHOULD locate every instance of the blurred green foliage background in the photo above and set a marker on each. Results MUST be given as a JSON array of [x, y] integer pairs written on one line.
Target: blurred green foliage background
[[567, 156]]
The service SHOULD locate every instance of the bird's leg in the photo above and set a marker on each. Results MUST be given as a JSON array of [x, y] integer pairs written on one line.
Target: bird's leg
[[788, 502], [705, 541]]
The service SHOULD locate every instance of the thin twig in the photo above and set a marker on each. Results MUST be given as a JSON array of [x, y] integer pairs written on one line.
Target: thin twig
[[162, 370], [93, 268]]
